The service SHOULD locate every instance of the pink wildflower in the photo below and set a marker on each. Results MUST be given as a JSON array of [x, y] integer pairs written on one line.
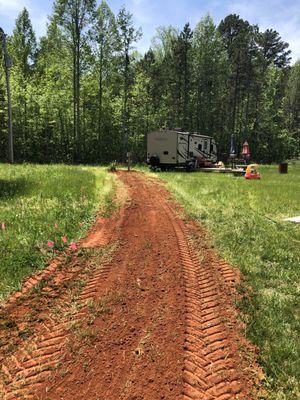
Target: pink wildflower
[[50, 243], [64, 239], [3, 227], [73, 246]]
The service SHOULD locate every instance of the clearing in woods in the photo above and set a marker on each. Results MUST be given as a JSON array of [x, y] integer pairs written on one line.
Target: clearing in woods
[[143, 310]]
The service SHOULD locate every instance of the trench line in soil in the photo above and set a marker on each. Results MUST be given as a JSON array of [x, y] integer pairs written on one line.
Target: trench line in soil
[[25, 371], [209, 372]]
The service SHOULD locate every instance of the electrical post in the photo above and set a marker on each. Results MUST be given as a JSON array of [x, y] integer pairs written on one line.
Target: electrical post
[[7, 65]]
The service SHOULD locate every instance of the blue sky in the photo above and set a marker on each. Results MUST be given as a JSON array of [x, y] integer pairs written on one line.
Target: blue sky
[[284, 16]]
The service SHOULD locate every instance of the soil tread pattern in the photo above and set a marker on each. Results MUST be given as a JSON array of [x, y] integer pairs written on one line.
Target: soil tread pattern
[[177, 321]]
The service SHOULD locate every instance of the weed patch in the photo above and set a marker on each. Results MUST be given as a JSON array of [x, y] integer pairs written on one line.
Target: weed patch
[[44, 209]]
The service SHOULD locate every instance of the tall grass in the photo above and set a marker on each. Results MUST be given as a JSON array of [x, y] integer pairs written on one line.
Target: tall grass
[[40, 204], [245, 220]]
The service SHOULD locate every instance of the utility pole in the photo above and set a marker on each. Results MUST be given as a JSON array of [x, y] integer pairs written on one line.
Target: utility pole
[[7, 65]]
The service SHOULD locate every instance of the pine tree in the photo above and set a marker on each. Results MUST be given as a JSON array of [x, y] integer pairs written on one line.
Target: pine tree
[[128, 36], [24, 44], [209, 76], [182, 66], [22, 48], [54, 78], [292, 108], [106, 46], [237, 37], [75, 18]]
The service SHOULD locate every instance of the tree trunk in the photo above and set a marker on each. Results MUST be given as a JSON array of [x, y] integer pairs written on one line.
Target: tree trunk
[[233, 122], [185, 95], [74, 104], [78, 121], [125, 108], [100, 98]]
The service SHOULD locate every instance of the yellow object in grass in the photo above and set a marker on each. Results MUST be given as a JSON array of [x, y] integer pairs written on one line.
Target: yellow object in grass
[[251, 168]]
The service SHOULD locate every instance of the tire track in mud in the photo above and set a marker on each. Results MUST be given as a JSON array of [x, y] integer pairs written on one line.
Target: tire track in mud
[[210, 370], [138, 353], [23, 373], [26, 370]]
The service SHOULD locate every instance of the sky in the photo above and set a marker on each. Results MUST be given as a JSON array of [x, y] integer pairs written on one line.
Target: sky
[[282, 15]]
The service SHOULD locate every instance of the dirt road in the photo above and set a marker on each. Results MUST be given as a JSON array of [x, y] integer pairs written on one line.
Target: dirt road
[[142, 311]]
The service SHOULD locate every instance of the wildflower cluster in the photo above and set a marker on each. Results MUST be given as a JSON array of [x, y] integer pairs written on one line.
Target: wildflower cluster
[[64, 241]]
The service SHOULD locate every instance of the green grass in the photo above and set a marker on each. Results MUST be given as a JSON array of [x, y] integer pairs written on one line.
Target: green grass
[[244, 219], [41, 203]]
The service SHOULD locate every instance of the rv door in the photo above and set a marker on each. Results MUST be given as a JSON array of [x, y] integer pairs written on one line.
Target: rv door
[[182, 148]]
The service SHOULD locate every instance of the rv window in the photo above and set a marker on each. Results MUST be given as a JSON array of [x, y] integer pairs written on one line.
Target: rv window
[[205, 145], [166, 152], [200, 146], [211, 148]]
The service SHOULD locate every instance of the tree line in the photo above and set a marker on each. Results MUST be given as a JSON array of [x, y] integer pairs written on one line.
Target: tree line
[[83, 94]]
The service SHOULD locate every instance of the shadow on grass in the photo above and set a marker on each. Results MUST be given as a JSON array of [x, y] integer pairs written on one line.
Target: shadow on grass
[[14, 188]]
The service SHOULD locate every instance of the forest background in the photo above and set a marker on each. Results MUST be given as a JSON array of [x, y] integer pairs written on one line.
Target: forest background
[[82, 93]]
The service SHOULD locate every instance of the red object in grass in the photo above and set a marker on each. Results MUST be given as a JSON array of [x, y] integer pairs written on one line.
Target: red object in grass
[[64, 239], [246, 150], [251, 172], [73, 246], [255, 175], [50, 243]]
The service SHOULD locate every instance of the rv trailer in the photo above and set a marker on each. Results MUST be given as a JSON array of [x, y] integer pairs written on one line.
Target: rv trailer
[[169, 149]]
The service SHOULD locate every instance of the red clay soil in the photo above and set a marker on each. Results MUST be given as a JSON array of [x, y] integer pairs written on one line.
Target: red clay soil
[[141, 312]]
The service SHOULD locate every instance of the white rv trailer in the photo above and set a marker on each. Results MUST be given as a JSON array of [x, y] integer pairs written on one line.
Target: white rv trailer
[[172, 148]]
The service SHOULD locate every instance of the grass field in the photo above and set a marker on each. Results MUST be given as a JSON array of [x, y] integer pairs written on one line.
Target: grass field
[[41, 204], [244, 219]]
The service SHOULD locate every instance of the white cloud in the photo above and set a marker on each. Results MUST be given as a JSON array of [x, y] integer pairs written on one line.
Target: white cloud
[[12, 5], [12, 8], [9, 10], [278, 15]]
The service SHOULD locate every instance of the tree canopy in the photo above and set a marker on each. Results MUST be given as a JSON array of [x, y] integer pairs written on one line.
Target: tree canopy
[[82, 92]]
